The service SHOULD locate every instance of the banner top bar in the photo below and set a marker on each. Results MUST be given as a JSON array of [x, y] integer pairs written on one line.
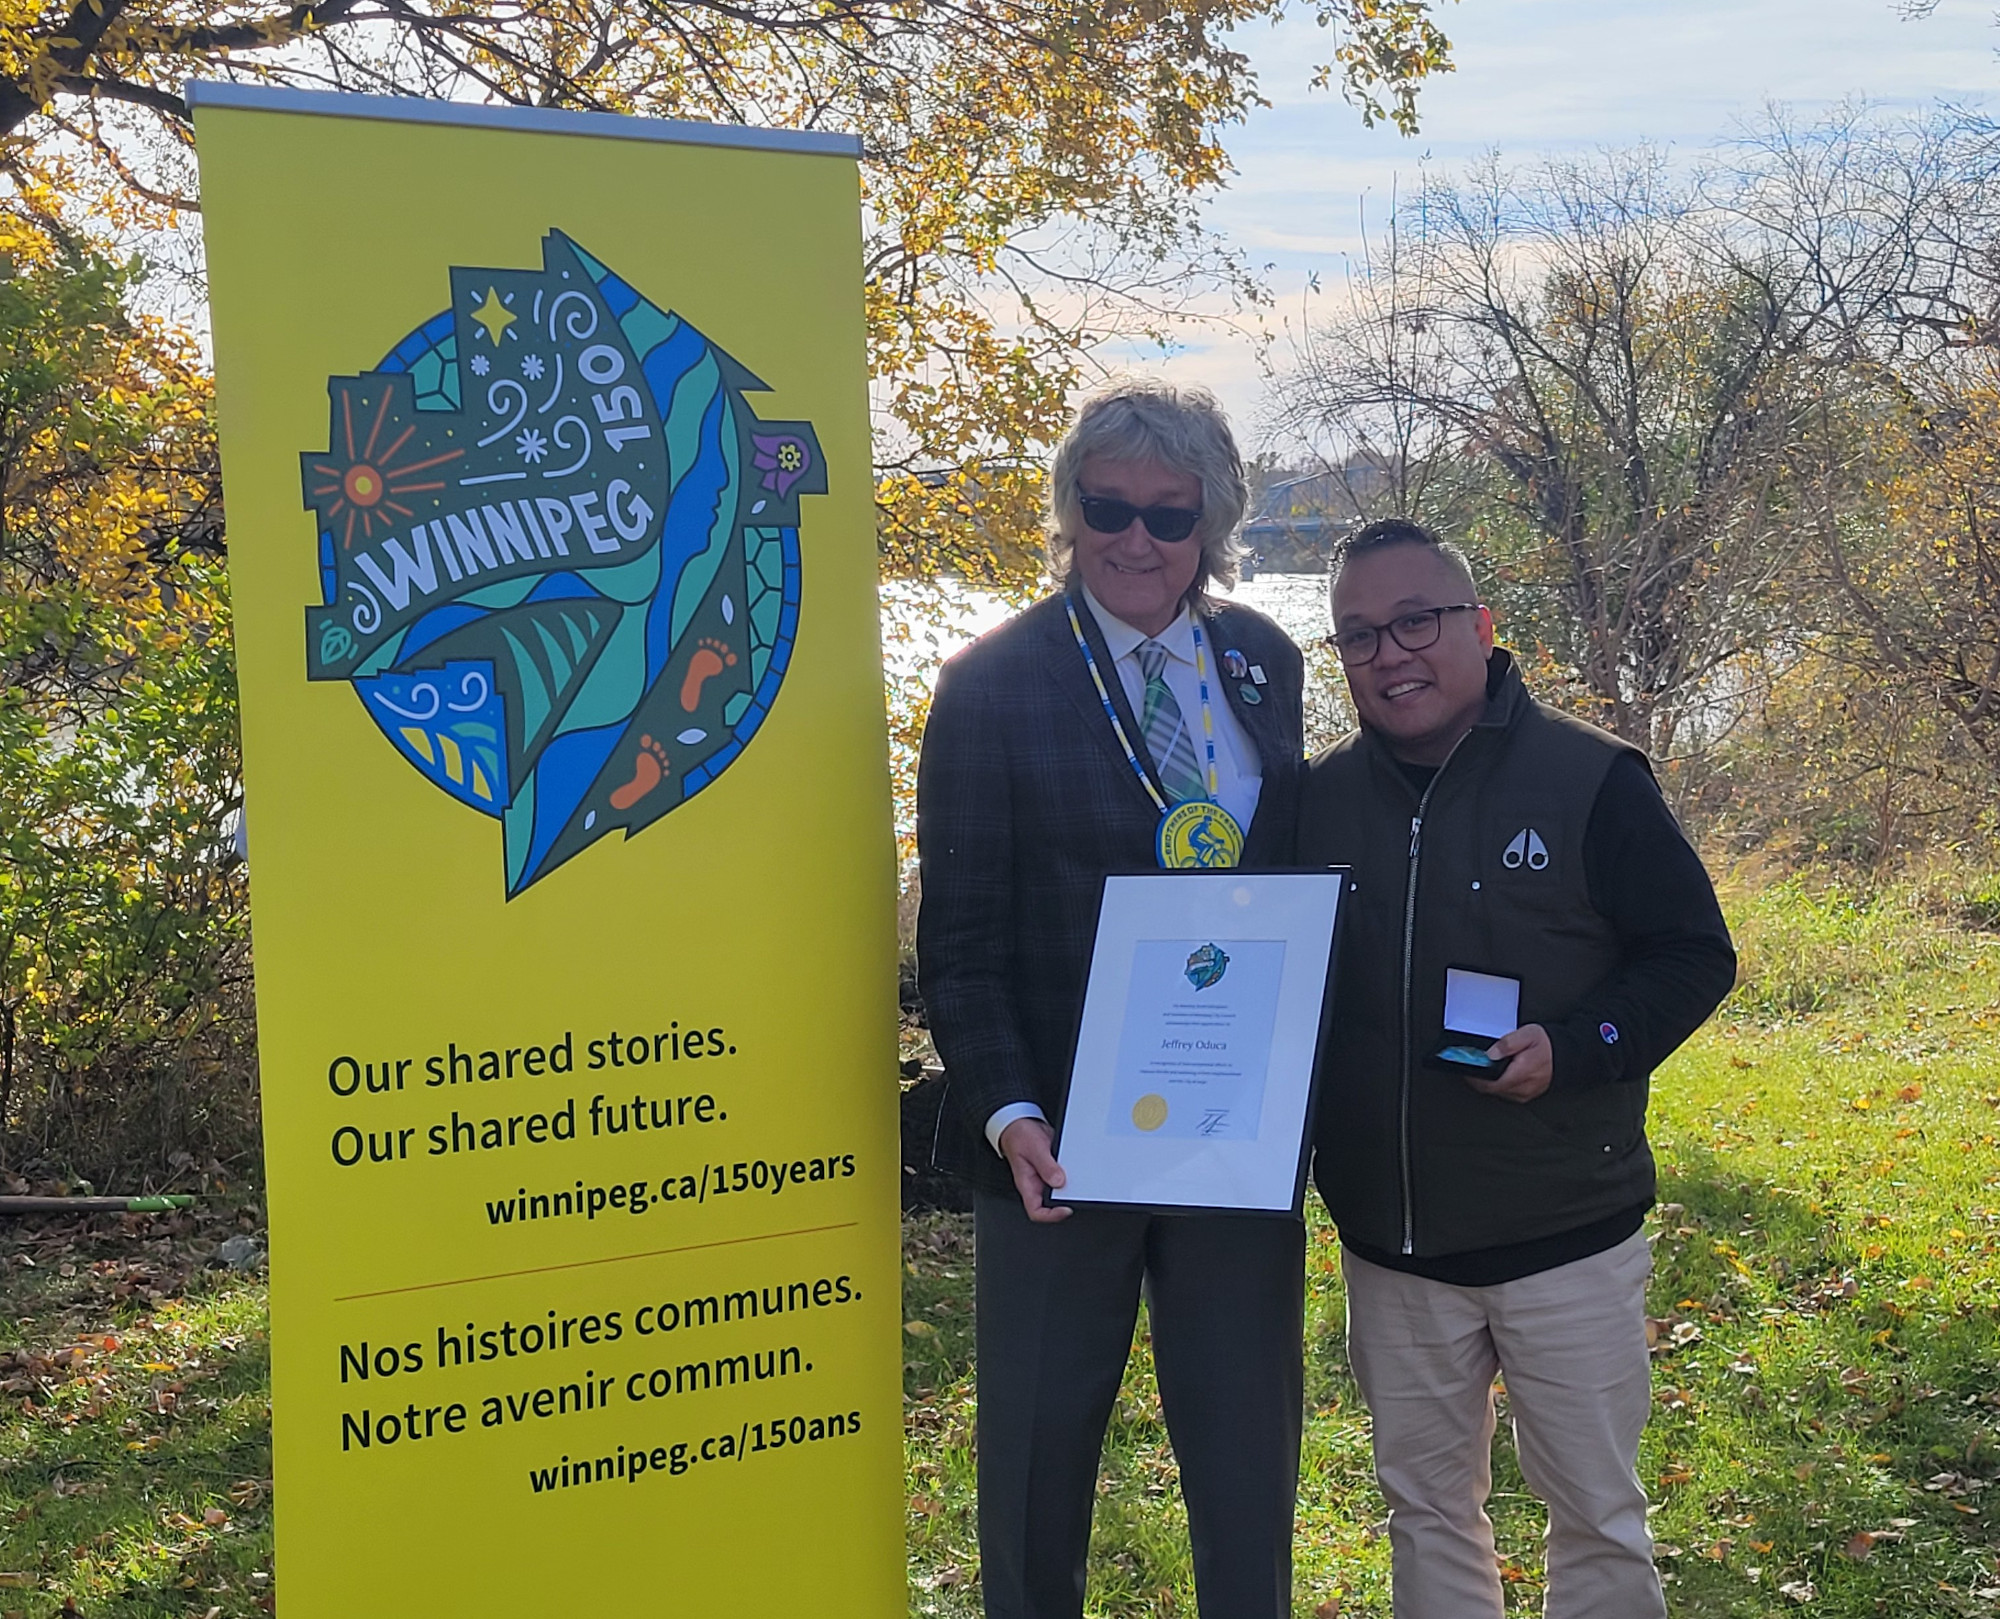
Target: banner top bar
[[547, 121]]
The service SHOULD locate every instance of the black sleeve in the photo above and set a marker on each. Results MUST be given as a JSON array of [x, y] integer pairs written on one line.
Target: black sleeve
[[1676, 962], [965, 919]]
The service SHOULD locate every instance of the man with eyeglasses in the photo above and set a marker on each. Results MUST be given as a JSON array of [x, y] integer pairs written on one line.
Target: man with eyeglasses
[[1490, 1196]]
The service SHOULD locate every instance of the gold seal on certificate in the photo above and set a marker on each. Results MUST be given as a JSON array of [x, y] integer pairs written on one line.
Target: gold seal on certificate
[[1202, 1019]]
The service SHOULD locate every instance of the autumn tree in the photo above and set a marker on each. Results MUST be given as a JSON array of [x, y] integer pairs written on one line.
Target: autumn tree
[[1639, 384], [1032, 168], [122, 922]]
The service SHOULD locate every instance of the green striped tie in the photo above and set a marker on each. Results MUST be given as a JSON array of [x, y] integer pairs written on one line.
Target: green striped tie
[[1165, 730]]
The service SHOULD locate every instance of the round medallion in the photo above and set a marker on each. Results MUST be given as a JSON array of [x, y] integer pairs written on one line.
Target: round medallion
[[1199, 835]]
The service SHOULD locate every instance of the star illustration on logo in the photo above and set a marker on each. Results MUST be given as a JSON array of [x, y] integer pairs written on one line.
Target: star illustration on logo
[[1206, 966], [566, 591]]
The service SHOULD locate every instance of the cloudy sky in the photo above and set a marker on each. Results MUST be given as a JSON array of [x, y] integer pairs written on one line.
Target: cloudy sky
[[1541, 75]]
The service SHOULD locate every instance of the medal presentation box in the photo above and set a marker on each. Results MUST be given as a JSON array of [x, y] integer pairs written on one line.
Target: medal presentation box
[[552, 560]]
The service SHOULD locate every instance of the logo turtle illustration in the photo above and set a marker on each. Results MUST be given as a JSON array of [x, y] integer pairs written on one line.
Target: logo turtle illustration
[[559, 553], [1206, 966]]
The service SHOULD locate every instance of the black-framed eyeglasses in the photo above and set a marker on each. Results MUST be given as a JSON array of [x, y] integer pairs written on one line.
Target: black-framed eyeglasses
[[1357, 645], [1108, 516]]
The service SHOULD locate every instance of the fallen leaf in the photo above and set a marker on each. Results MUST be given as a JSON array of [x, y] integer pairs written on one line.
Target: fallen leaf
[[1676, 1475], [919, 1329], [1860, 1547], [1329, 1609], [1798, 1590]]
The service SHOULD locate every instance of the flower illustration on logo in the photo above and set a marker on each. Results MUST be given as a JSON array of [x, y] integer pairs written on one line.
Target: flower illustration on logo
[[568, 606], [1206, 967], [783, 460]]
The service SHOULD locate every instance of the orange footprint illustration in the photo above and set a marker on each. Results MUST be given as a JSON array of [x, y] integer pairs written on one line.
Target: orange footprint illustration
[[709, 660], [649, 770]]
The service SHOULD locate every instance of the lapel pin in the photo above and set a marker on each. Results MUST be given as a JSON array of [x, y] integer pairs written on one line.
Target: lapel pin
[[1257, 673], [1251, 695], [1235, 663]]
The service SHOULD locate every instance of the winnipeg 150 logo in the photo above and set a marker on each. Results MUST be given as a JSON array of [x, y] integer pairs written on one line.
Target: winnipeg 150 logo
[[559, 553]]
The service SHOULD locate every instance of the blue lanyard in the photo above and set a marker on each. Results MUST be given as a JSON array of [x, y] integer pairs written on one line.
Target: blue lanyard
[[1118, 728]]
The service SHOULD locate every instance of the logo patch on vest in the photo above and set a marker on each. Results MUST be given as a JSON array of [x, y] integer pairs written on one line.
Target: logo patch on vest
[[1527, 849], [1608, 1033]]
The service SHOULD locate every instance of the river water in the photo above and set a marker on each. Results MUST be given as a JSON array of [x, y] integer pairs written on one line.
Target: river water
[[1296, 600]]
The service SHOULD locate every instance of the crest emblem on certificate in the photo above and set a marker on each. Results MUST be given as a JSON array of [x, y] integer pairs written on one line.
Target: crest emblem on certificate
[[558, 553], [1206, 966]]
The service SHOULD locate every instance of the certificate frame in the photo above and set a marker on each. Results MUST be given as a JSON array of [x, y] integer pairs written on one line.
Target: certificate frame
[[1223, 1101]]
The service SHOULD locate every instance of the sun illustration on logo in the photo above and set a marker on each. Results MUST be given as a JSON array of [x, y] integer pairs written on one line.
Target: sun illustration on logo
[[559, 553]]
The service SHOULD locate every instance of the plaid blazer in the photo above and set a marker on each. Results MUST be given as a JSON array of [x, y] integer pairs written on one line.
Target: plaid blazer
[[1025, 802]]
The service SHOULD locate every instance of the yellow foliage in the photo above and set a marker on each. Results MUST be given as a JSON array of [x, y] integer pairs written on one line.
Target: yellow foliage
[[1031, 175]]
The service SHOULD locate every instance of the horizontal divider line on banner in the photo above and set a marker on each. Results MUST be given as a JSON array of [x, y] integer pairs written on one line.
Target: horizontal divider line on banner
[[582, 1264]]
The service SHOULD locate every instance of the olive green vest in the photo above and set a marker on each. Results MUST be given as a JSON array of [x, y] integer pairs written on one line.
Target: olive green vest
[[1409, 1157]]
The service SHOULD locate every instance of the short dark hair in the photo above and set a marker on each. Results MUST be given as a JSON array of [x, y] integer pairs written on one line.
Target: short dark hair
[[1386, 532]]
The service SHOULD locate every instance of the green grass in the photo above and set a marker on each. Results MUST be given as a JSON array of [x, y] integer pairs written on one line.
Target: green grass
[[135, 1418], [1826, 1438], [1826, 1301]]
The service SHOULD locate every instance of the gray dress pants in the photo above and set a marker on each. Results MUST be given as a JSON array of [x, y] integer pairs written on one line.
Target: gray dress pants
[[1057, 1304]]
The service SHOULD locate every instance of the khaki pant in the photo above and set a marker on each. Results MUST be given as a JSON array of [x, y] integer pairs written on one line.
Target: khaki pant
[[1571, 1343]]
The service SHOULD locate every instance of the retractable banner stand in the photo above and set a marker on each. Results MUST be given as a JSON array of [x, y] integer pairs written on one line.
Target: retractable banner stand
[[553, 561]]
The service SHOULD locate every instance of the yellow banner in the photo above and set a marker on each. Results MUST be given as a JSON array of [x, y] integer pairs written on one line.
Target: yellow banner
[[553, 564]]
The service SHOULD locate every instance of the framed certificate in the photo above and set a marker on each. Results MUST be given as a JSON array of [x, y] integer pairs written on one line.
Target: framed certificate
[[1191, 1087]]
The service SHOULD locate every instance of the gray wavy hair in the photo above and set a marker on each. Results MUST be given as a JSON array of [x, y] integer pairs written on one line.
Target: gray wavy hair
[[1182, 428]]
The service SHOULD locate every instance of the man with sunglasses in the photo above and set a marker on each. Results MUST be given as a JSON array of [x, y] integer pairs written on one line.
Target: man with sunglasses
[[1490, 1197], [1065, 745]]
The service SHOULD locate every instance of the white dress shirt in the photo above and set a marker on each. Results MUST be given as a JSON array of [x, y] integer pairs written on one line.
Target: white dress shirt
[[1239, 773]]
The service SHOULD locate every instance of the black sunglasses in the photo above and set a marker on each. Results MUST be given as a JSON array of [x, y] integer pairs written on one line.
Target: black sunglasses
[[1170, 523]]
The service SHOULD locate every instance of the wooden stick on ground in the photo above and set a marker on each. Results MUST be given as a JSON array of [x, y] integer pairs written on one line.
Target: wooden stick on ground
[[94, 1205]]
